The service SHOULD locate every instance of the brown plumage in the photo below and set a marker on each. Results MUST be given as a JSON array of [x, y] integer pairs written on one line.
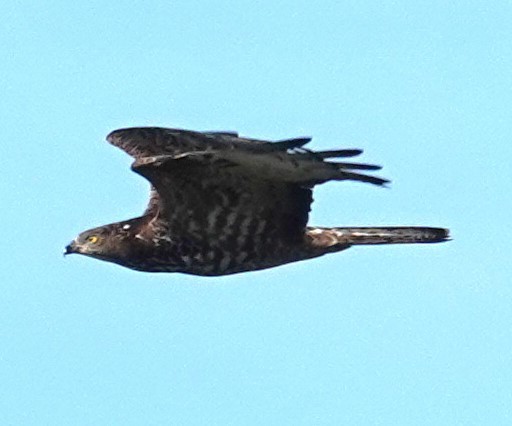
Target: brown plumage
[[221, 204]]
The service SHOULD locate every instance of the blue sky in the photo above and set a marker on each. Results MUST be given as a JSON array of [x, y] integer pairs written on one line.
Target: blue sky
[[371, 336]]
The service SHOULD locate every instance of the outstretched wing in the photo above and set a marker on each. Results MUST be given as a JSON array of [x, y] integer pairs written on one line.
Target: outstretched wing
[[208, 182], [282, 161]]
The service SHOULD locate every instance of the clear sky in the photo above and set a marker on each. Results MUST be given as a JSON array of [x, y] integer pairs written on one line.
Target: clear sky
[[397, 335]]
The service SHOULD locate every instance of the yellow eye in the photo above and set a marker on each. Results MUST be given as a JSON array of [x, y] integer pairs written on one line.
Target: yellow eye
[[93, 239]]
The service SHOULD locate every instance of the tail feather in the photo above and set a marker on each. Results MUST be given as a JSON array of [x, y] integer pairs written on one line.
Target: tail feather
[[329, 237]]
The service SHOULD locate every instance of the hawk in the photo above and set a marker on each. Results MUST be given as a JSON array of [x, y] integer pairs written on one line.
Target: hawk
[[223, 204]]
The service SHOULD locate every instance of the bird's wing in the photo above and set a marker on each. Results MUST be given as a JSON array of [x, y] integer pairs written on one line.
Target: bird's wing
[[213, 184], [281, 161], [142, 142]]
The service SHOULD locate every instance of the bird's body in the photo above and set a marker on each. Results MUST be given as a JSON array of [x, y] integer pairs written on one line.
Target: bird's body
[[221, 204]]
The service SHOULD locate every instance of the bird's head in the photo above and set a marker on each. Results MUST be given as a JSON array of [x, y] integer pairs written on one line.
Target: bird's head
[[101, 242]]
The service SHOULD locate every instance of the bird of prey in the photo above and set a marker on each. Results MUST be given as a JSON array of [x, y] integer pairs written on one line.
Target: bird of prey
[[223, 204]]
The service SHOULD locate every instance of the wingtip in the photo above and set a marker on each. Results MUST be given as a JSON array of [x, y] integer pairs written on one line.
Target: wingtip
[[287, 144], [115, 134], [340, 153], [110, 136], [371, 179]]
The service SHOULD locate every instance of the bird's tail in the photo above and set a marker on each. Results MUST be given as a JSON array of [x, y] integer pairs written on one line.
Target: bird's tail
[[332, 237]]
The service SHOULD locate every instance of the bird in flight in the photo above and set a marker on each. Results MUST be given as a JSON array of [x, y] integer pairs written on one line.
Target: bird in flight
[[222, 204]]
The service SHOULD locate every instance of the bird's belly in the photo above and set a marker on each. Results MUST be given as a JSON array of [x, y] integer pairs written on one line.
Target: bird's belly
[[215, 261]]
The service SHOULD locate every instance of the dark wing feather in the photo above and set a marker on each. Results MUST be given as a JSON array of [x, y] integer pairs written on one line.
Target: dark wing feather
[[285, 160], [339, 153], [244, 181]]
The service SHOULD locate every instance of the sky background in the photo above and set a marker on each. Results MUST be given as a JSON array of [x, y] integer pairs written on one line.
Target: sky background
[[396, 335]]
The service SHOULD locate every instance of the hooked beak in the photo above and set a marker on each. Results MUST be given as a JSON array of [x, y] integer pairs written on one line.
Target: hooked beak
[[70, 248]]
